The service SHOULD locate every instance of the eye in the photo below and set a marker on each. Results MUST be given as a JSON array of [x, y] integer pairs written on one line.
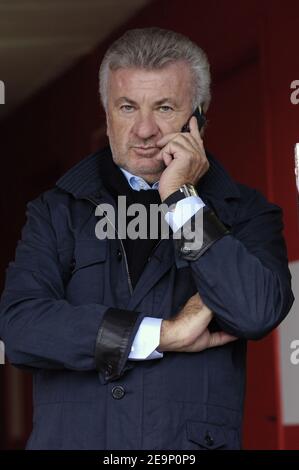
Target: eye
[[127, 108], [165, 109]]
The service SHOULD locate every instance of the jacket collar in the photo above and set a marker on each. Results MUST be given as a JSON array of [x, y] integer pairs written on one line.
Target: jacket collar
[[217, 183], [84, 179]]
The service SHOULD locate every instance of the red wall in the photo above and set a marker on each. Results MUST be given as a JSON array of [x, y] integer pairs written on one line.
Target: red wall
[[252, 128], [280, 66]]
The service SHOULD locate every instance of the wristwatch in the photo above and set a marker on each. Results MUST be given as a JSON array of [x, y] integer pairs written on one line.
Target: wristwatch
[[186, 190]]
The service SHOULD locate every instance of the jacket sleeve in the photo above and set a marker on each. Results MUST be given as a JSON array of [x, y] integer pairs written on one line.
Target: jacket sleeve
[[41, 328], [243, 276]]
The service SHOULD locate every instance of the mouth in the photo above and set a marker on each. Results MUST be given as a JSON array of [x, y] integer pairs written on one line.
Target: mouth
[[146, 151]]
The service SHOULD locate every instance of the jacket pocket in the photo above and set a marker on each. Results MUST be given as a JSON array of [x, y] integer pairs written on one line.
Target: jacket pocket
[[88, 272], [211, 436], [88, 253]]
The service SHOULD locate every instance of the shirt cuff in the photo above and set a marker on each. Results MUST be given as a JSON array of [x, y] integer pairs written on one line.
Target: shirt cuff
[[183, 211], [146, 340]]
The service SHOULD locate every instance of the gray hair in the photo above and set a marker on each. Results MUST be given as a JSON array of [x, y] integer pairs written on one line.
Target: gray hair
[[152, 48]]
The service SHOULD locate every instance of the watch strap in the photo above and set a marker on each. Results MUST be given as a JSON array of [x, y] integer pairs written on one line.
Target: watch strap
[[174, 198], [185, 191]]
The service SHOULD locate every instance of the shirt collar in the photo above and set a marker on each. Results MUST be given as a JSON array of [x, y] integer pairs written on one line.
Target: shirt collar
[[137, 183]]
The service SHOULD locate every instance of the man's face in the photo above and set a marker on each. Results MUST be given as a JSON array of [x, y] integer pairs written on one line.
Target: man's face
[[143, 106]]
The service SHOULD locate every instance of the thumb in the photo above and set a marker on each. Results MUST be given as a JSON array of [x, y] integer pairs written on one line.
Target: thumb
[[219, 338]]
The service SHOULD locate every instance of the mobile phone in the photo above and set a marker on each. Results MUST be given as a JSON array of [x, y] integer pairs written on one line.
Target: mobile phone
[[201, 120]]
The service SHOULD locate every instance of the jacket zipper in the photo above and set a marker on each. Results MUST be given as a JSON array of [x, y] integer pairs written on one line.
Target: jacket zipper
[[122, 246]]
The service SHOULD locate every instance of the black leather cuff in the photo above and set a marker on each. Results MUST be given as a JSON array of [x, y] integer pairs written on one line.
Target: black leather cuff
[[174, 198], [213, 230], [113, 341]]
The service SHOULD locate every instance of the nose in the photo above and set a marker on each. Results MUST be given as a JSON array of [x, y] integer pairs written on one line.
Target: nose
[[145, 126]]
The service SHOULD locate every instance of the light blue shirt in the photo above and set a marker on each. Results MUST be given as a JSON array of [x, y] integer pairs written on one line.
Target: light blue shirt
[[137, 183]]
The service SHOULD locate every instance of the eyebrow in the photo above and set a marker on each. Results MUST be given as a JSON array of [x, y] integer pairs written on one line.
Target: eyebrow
[[157, 103]]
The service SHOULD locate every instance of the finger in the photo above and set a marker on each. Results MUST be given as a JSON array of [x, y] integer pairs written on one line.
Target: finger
[[178, 149], [185, 139], [219, 338], [196, 299], [194, 131], [195, 296], [167, 158], [167, 138]]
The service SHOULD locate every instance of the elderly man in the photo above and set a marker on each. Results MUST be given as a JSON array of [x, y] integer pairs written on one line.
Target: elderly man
[[140, 342]]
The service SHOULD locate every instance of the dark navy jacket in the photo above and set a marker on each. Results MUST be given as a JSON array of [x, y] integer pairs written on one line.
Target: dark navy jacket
[[67, 290]]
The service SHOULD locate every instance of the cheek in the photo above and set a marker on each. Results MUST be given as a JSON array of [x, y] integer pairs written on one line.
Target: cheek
[[121, 134], [116, 126], [169, 125], [119, 137]]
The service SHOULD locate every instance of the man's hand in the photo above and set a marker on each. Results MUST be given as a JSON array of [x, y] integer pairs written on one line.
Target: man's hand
[[188, 330], [184, 156]]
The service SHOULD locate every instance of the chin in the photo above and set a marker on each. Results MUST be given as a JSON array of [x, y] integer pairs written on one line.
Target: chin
[[147, 167]]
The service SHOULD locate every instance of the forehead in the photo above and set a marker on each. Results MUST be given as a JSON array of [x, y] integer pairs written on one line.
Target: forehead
[[173, 79]]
